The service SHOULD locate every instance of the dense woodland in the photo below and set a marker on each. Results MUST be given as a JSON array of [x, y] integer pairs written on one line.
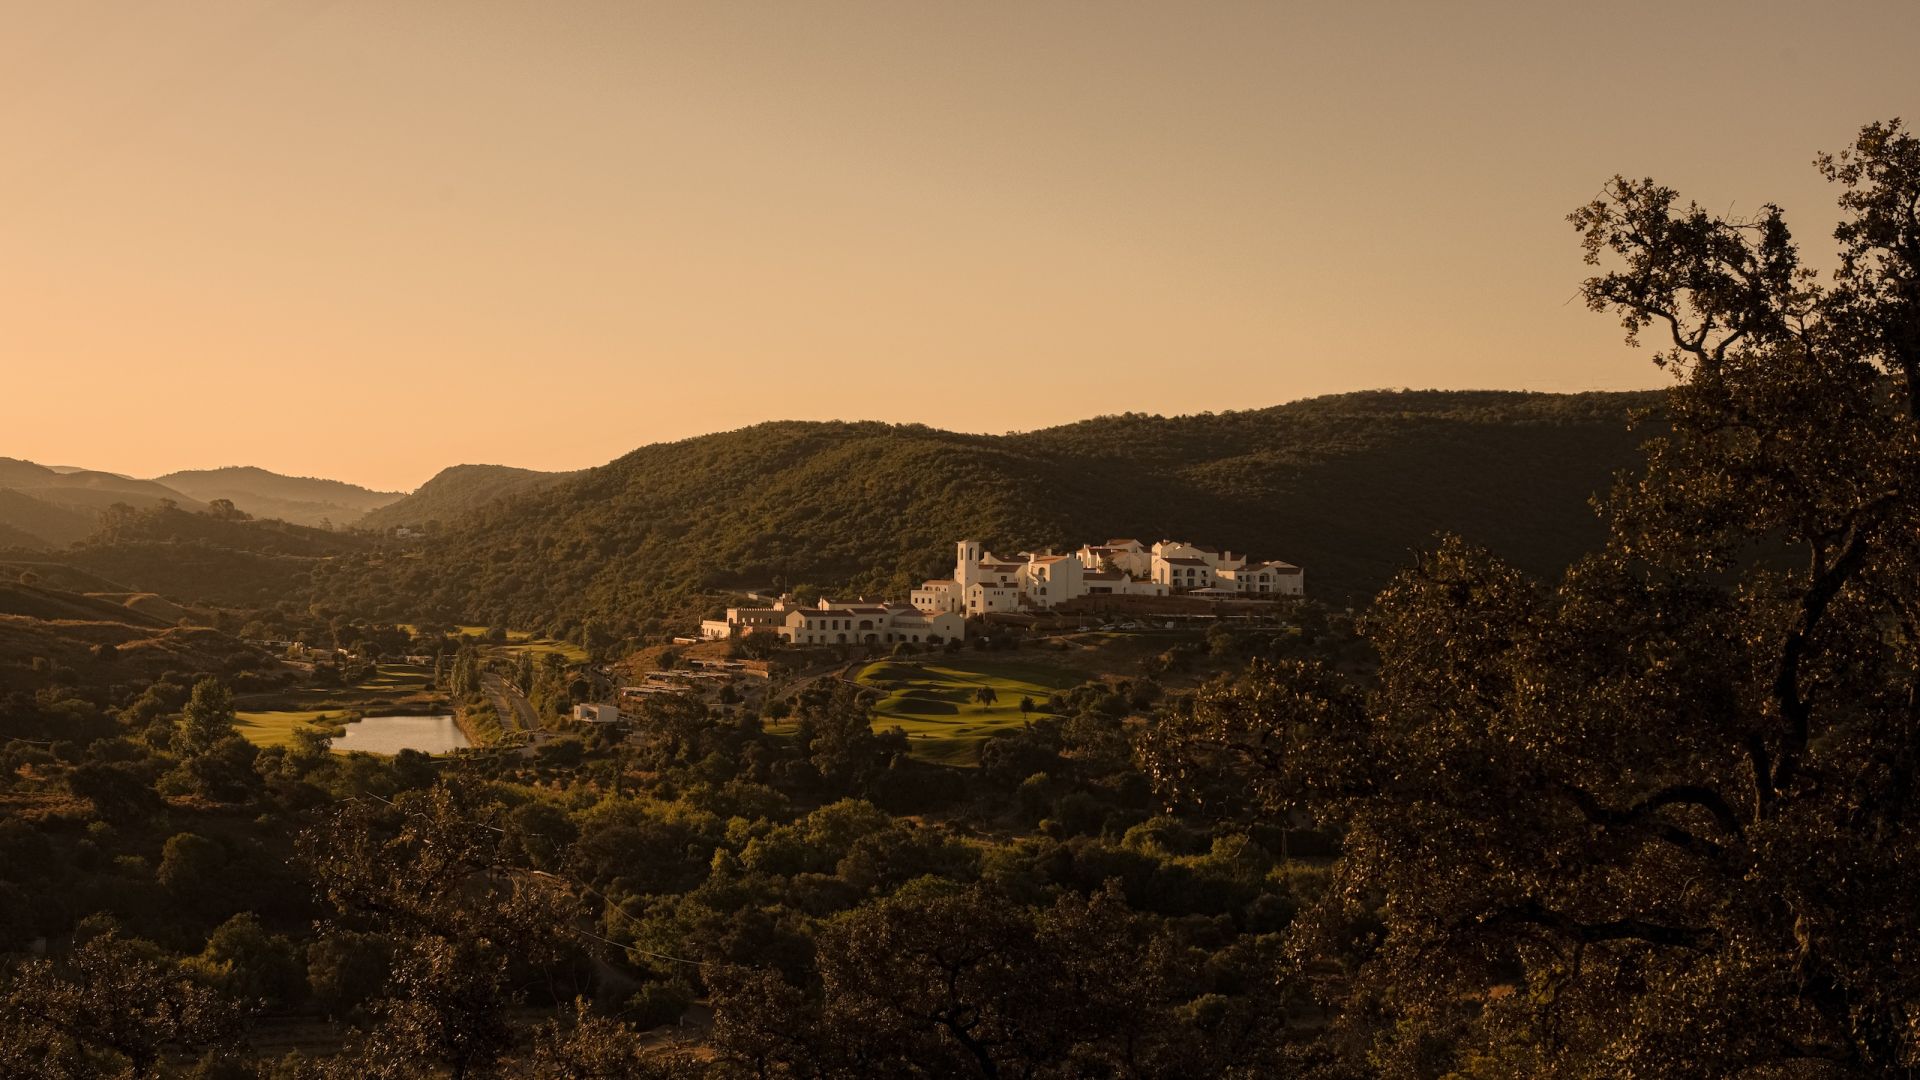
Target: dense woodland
[[455, 492], [1642, 811]]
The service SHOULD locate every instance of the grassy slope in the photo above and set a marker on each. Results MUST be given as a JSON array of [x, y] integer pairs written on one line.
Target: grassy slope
[[276, 727], [65, 627]]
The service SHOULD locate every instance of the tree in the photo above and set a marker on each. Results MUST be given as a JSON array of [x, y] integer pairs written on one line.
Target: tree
[[192, 868], [589, 1047], [117, 790], [253, 966], [836, 730], [208, 716], [441, 883], [1663, 796], [939, 980], [112, 1008]]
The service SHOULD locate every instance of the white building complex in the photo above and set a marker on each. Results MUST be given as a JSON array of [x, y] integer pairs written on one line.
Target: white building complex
[[983, 582], [835, 623]]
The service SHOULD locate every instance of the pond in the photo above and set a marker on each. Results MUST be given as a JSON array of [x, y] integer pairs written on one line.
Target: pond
[[392, 734]]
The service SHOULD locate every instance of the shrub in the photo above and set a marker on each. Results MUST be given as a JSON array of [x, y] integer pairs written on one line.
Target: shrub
[[658, 1004]]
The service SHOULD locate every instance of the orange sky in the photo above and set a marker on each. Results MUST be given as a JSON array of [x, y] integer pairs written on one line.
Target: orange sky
[[366, 239]]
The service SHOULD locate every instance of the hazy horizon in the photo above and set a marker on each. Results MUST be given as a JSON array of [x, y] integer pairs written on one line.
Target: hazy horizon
[[364, 242]]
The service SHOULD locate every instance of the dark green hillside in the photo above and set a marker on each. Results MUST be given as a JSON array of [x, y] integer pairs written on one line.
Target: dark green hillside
[[1346, 486], [302, 500], [1350, 486], [455, 492], [207, 557], [161, 524]]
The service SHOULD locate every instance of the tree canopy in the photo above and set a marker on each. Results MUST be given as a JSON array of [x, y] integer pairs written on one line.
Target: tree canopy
[[1654, 818]]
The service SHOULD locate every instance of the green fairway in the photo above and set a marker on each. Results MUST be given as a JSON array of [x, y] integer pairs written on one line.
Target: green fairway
[[936, 702], [573, 654], [276, 728], [268, 719], [481, 632]]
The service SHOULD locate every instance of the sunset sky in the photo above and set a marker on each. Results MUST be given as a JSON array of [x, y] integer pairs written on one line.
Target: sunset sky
[[366, 239]]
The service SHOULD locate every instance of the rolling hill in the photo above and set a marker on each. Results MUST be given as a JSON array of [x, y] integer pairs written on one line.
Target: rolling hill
[[87, 489], [37, 524], [1348, 487], [68, 630], [300, 500], [43, 508], [456, 491]]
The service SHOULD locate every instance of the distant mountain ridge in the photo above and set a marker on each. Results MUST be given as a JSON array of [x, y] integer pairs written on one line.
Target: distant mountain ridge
[[43, 508], [299, 500], [86, 488], [1348, 486], [49, 507]]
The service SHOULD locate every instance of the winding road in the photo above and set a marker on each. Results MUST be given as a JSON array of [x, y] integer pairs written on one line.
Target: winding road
[[516, 712]]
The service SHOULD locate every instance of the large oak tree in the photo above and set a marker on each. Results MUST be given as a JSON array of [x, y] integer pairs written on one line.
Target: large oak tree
[[1657, 818]]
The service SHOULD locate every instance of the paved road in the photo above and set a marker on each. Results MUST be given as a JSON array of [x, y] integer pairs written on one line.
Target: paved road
[[516, 712]]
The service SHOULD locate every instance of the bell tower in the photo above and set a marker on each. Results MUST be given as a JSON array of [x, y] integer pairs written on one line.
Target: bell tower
[[966, 569]]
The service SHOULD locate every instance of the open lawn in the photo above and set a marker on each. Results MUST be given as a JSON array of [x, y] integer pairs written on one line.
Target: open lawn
[[276, 727], [935, 701]]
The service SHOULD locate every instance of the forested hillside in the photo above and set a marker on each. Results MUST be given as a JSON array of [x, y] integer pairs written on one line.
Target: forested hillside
[[1348, 487], [457, 491], [207, 557]]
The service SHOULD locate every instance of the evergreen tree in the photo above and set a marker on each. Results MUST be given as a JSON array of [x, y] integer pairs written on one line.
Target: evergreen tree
[[208, 716]]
